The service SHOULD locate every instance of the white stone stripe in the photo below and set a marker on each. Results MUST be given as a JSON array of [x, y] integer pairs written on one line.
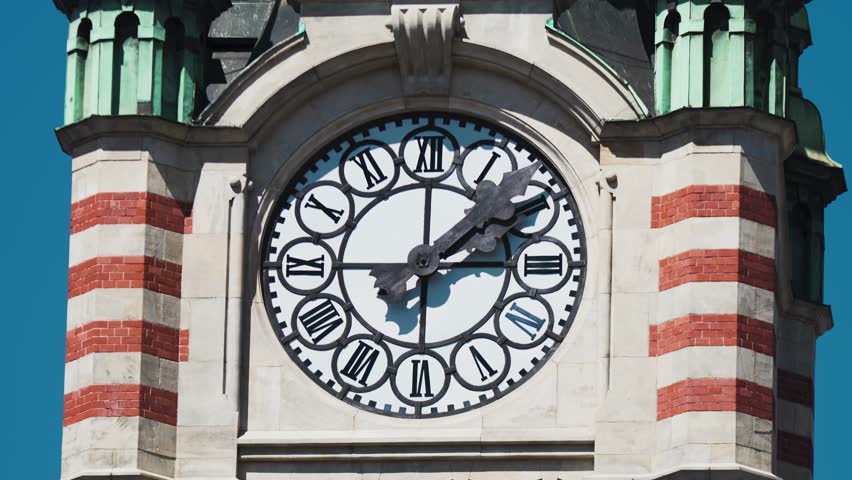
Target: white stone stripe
[[795, 418], [699, 165], [114, 434], [715, 362], [121, 368], [123, 304], [716, 233], [125, 241], [128, 171], [715, 298]]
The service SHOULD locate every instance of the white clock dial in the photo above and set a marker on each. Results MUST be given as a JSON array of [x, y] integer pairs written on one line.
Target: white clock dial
[[424, 265]]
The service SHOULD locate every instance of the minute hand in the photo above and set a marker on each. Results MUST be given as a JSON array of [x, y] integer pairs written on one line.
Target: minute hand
[[493, 202]]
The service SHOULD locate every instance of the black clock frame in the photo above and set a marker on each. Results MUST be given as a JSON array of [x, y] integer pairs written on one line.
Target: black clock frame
[[577, 272]]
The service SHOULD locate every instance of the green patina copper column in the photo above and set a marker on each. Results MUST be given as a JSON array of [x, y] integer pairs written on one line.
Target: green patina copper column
[[128, 57]]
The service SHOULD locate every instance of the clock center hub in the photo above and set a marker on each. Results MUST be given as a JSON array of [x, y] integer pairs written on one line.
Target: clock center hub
[[424, 260]]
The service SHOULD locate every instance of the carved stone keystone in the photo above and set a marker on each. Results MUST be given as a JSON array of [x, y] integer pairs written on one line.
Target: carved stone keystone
[[424, 43]]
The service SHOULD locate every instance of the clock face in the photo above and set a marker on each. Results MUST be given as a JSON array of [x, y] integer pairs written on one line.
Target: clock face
[[418, 204]]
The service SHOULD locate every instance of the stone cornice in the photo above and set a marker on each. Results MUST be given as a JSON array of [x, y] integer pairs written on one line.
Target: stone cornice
[[143, 126]]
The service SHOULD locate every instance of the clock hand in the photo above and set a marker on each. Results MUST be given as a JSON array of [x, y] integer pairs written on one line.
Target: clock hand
[[493, 202]]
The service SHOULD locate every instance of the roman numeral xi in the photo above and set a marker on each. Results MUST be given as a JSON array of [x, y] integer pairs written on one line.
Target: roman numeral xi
[[373, 175]]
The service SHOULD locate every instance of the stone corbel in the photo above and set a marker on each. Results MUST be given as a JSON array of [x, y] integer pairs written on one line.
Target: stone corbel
[[424, 35]]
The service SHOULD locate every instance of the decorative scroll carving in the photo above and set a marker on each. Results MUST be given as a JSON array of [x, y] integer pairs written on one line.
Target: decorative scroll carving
[[424, 42]]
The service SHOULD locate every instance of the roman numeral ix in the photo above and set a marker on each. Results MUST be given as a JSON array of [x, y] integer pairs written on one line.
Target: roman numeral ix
[[297, 267]]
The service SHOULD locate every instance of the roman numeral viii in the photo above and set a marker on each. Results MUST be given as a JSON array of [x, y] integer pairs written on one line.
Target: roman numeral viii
[[543, 265], [373, 175], [361, 363], [431, 157], [297, 267], [321, 320], [331, 213]]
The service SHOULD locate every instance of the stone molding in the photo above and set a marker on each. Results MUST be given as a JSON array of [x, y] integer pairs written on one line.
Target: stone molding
[[423, 36]]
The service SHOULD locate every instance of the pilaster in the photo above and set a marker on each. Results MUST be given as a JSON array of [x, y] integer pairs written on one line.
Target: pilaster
[[709, 256], [129, 330]]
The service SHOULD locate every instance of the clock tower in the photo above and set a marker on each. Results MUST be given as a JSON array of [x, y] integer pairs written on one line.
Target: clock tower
[[444, 240]]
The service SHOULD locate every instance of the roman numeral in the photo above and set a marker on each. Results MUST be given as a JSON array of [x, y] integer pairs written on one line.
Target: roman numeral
[[331, 213], [523, 319], [321, 320], [421, 384], [543, 265], [434, 146], [297, 267], [481, 364], [533, 206], [372, 173], [481, 177], [361, 363]]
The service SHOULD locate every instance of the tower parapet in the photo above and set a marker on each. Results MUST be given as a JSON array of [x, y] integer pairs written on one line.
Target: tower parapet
[[128, 57]]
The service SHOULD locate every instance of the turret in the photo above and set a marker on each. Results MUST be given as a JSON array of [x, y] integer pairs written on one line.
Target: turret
[[129, 57]]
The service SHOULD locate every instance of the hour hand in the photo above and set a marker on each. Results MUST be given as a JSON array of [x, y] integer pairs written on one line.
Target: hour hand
[[391, 281]]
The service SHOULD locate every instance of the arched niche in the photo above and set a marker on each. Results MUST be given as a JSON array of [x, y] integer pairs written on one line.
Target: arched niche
[[125, 73]]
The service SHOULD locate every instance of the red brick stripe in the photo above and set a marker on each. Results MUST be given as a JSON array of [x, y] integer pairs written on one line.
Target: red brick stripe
[[713, 201], [122, 336], [184, 346], [712, 331], [796, 450], [131, 208], [714, 395], [717, 266], [120, 401], [795, 388], [124, 272]]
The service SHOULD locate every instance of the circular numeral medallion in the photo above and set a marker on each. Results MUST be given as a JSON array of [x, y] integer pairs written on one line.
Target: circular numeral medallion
[[424, 265]]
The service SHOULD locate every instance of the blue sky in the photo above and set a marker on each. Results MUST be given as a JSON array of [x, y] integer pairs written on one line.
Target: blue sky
[[35, 237]]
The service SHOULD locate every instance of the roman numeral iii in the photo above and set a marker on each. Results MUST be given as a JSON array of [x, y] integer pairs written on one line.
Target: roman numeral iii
[[543, 264]]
